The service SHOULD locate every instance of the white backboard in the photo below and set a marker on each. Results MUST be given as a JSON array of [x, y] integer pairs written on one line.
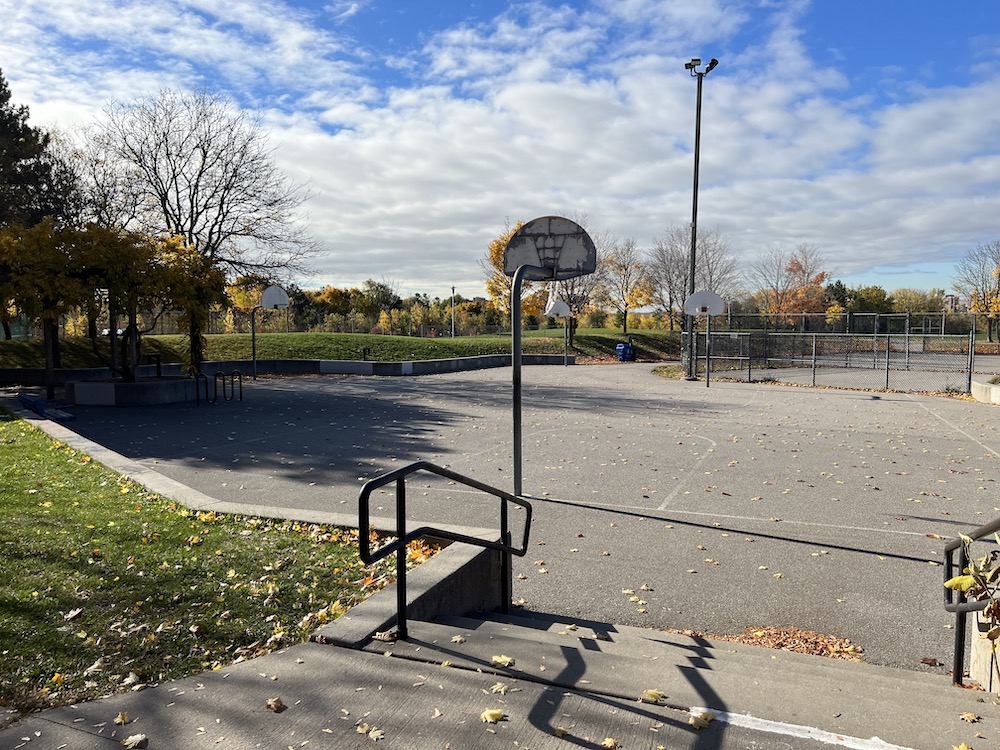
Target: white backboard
[[704, 302], [274, 298]]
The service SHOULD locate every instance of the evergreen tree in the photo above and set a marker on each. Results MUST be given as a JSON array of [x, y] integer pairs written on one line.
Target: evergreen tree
[[34, 184]]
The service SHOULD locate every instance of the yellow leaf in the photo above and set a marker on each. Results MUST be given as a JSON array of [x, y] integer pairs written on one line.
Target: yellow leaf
[[652, 696], [58, 678], [503, 661], [960, 583], [376, 734], [969, 717], [492, 716], [499, 687], [122, 718], [561, 732], [963, 746], [700, 721], [457, 639], [611, 743]]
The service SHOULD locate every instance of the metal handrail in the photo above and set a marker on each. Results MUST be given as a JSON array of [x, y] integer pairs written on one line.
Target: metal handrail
[[403, 537], [953, 599]]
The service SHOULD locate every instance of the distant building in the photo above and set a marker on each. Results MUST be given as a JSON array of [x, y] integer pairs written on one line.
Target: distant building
[[953, 304]]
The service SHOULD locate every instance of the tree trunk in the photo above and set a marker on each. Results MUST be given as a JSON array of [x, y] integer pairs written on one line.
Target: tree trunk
[[50, 330], [625, 322], [6, 330]]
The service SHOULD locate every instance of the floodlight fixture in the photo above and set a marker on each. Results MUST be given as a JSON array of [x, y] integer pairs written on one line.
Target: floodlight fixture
[[711, 66]]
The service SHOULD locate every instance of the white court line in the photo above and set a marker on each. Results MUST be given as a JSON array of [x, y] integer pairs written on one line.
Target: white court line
[[674, 511], [956, 428], [795, 730], [682, 485]]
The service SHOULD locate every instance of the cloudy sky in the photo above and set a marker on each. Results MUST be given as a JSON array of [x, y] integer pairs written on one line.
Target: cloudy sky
[[870, 130]]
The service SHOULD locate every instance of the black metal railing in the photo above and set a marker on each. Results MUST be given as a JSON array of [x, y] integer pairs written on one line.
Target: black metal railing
[[404, 537], [955, 601]]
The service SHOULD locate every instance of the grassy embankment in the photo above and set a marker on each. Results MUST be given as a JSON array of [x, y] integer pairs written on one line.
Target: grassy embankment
[[589, 345], [105, 586]]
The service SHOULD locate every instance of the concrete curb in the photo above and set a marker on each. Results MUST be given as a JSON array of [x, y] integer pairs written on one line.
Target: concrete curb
[[987, 393]]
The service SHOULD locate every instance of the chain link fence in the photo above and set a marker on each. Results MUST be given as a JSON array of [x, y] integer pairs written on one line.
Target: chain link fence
[[890, 362]]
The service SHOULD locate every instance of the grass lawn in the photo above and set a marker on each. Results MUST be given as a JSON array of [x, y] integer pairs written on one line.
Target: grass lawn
[[105, 586], [590, 344]]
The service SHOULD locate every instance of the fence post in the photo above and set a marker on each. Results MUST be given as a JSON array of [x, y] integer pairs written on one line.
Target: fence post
[[907, 342], [972, 362], [888, 345], [814, 361]]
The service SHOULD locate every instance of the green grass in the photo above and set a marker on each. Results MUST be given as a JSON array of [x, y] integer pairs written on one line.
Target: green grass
[[104, 585], [589, 344]]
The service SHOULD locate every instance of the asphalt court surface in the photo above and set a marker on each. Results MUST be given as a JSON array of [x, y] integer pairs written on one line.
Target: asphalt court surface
[[739, 505]]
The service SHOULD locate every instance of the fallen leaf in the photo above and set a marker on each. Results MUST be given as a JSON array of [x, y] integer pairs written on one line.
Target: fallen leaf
[[652, 696], [611, 743], [561, 732], [122, 718], [969, 717], [492, 716], [276, 704], [930, 661], [73, 614], [499, 687], [963, 746], [502, 661], [701, 720], [376, 734], [135, 741], [457, 639]]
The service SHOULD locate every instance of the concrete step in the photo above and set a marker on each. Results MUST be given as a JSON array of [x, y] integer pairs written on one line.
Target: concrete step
[[631, 641], [905, 709]]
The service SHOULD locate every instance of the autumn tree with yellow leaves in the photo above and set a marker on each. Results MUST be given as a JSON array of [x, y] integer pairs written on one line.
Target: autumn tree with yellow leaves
[[626, 282], [789, 282], [499, 284]]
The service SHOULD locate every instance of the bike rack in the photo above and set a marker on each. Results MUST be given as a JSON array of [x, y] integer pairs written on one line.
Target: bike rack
[[228, 393], [403, 537]]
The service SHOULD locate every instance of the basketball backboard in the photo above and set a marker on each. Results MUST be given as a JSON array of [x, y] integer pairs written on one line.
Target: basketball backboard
[[274, 298], [552, 248], [705, 302]]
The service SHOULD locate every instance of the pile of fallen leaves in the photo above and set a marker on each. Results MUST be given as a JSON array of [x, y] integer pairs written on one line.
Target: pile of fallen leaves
[[790, 639]]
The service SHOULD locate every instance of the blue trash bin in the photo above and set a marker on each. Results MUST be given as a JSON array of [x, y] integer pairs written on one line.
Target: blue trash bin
[[626, 352]]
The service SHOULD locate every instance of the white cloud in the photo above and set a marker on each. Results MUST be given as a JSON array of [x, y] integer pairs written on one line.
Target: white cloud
[[577, 108]]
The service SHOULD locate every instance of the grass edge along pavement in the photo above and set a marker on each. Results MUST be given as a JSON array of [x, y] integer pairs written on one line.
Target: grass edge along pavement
[[106, 587], [589, 345]]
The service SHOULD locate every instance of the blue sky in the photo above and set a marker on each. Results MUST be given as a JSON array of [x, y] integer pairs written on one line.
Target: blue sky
[[869, 130]]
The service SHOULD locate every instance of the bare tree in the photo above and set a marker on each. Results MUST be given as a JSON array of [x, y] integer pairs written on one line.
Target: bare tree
[[977, 278], [202, 170], [789, 281], [716, 267]]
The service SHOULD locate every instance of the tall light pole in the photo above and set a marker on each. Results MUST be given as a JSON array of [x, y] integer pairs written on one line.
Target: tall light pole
[[453, 312], [692, 68]]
